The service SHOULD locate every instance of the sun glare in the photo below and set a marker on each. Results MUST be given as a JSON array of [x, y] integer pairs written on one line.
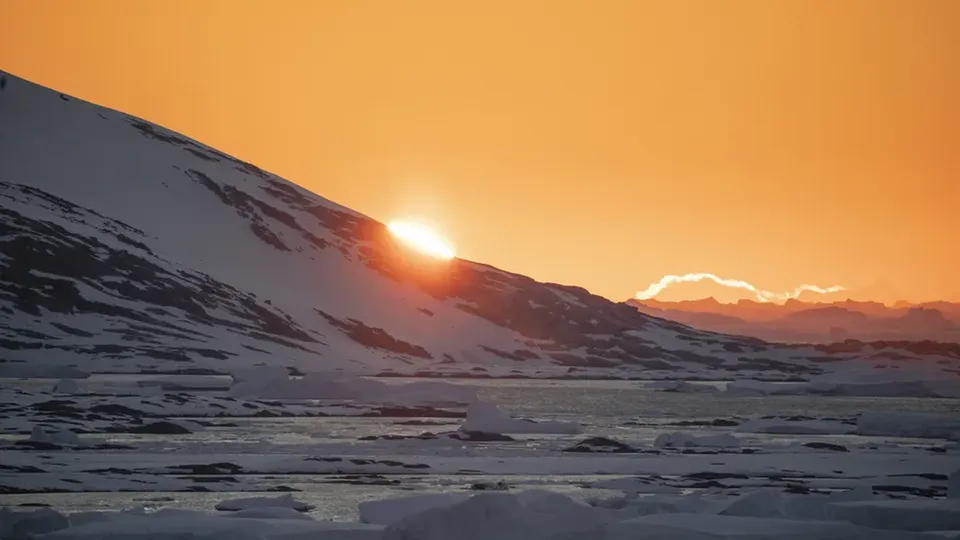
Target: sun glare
[[421, 238]]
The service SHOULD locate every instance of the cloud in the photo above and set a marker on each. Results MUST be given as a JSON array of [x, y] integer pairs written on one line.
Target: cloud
[[761, 295]]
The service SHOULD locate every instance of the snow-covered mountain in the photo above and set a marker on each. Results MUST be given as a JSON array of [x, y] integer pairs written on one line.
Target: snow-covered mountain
[[127, 247]]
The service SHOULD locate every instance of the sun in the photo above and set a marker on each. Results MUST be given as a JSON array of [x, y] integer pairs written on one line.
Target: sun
[[421, 238]]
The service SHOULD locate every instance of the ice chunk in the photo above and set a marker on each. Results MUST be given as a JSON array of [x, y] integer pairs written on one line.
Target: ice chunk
[[24, 525], [66, 386], [486, 417], [283, 501]]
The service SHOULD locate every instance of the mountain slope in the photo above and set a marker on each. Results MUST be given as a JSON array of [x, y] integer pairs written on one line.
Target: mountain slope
[[127, 247]]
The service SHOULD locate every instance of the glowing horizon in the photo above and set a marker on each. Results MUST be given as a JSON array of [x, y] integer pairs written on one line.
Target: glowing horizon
[[761, 295], [422, 238], [760, 140]]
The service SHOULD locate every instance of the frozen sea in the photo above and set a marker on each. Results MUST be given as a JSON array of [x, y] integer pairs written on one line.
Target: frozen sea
[[620, 410]]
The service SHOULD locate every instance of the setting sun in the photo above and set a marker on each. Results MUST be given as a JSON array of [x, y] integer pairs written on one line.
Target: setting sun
[[422, 238]]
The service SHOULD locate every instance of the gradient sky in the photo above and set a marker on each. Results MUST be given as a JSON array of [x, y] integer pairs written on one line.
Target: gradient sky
[[598, 143]]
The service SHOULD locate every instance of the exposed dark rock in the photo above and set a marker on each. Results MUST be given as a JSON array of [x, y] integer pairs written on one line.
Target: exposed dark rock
[[364, 480], [114, 409], [377, 338], [209, 468], [826, 446], [414, 412], [480, 436], [488, 486], [601, 445], [717, 422], [711, 475]]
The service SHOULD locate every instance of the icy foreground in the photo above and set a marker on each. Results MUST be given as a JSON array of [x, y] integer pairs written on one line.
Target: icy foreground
[[529, 515], [128, 248], [395, 468]]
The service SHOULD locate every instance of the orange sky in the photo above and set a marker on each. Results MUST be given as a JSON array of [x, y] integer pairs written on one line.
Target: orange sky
[[599, 143]]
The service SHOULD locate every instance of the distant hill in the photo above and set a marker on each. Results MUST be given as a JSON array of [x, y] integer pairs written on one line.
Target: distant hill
[[815, 322]]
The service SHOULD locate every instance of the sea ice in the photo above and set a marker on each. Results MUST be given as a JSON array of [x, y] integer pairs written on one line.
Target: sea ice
[[909, 424], [486, 417]]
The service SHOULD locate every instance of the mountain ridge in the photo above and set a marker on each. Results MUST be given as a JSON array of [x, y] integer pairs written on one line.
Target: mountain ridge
[[819, 322]]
